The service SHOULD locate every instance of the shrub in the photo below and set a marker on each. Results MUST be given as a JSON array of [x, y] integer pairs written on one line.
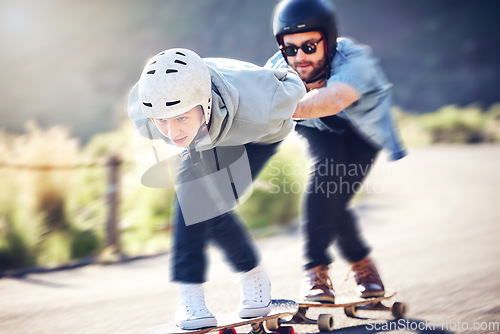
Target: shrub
[[451, 124], [38, 181]]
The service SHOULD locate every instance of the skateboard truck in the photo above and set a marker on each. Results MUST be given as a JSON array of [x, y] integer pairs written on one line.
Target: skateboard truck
[[257, 328], [272, 325], [397, 309], [325, 322]]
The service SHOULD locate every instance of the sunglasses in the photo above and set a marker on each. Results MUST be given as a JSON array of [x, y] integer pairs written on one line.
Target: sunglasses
[[308, 48]]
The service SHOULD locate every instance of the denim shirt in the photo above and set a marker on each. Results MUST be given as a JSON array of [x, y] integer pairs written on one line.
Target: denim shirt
[[371, 116]]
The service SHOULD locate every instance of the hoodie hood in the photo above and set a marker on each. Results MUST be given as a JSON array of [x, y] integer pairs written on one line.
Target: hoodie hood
[[225, 100]]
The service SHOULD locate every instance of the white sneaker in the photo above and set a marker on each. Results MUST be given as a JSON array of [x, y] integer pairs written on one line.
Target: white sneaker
[[255, 293], [192, 312]]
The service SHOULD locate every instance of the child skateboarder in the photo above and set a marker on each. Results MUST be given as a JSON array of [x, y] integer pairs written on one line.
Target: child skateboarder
[[228, 117]]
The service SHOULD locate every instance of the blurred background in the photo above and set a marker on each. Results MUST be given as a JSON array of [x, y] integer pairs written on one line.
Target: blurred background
[[70, 191]]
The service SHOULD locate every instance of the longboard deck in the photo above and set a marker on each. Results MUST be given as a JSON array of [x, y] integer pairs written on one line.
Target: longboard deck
[[281, 308], [344, 301]]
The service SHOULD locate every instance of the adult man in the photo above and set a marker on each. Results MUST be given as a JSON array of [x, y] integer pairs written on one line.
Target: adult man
[[346, 119], [223, 113]]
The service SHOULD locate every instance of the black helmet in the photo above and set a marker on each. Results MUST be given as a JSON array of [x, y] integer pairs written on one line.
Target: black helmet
[[296, 16]]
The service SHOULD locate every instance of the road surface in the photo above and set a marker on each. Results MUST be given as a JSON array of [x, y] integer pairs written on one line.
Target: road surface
[[433, 220]]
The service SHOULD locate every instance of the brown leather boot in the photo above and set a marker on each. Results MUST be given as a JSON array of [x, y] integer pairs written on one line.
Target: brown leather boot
[[368, 279], [318, 286]]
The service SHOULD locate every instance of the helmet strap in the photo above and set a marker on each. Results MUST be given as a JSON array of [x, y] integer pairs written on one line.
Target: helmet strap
[[319, 80], [319, 77]]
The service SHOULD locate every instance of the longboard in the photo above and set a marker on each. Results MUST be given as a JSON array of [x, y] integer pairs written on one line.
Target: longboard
[[350, 305], [281, 308]]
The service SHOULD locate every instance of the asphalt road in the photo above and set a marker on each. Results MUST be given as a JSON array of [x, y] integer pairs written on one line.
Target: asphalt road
[[433, 220]]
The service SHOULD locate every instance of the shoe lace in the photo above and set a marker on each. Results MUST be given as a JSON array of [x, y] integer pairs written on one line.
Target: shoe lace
[[195, 304], [252, 288], [319, 278], [365, 272]]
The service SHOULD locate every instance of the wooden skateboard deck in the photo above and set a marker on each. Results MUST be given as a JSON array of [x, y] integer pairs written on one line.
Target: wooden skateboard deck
[[350, 305], [281, 308], [344, 301]]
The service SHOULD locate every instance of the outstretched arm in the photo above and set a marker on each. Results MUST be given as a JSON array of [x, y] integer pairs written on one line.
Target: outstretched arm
[[326, 101]]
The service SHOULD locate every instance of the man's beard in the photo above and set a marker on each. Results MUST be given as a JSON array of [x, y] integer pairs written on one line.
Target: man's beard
[[318, 68]]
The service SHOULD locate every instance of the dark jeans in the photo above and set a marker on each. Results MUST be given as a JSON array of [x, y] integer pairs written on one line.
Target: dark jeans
[[341, 162], [189, 262]]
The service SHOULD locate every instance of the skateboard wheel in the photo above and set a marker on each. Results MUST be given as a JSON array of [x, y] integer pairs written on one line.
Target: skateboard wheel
[[398, 310], [228, 331], [325, 322], [272, 324], [351, 311], [285, 330]]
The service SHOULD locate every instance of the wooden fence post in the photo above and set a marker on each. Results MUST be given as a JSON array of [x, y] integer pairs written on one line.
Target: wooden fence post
[[112, 230]]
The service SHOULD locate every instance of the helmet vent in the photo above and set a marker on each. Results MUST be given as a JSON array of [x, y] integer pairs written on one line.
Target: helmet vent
[[180, 53], [154, 62], [151, 72], [177, 61], [147, 104], [170, 70], [173, 103]]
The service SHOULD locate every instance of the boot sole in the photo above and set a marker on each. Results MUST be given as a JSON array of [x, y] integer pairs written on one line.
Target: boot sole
[[321, 300]]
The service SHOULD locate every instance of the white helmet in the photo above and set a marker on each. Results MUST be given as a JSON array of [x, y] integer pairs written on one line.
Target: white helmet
[[173, 82]]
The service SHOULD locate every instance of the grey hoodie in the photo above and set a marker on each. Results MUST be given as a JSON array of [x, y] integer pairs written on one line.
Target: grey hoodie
[[250, 104]]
